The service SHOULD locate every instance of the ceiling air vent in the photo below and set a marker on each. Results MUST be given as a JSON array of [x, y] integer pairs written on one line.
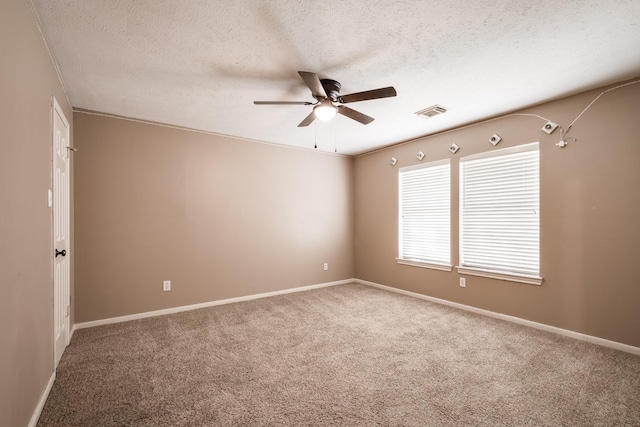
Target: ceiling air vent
[[429, 112]]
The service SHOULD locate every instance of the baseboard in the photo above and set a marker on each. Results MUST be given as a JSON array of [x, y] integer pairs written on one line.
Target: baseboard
[[565, 332], [204, 305], [43, 399]]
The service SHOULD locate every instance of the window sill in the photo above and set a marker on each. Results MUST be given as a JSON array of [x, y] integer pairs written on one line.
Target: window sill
[[530, 280], [440, 267]]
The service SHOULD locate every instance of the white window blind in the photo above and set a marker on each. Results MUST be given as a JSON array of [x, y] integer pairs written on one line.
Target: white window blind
[[500, 211], [425, 217]]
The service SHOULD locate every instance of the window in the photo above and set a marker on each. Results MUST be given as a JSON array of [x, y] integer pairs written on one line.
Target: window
[[425, 215], [500, 214]]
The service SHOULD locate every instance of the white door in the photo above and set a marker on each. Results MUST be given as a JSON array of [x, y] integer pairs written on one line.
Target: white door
[[61, 267]]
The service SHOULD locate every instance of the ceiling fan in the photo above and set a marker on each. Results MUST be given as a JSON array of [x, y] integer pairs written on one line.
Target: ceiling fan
[[327, 92]]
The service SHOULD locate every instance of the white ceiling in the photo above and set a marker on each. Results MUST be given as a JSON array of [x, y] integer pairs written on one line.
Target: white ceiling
[[201, 63]]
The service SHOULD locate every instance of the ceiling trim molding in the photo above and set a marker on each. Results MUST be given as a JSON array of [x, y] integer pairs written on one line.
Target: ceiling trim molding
[[187, 129]]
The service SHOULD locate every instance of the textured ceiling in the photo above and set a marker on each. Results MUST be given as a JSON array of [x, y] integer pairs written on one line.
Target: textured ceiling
[[201, 63]]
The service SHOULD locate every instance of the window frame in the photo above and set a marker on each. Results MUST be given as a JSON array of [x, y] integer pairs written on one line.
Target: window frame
[[484, 271], [425, 263]]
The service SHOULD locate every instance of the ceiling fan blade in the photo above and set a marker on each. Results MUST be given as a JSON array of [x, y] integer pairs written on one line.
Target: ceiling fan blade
[[384, 92], [308, 120], [282, 103], [313, 82], [353, 114]]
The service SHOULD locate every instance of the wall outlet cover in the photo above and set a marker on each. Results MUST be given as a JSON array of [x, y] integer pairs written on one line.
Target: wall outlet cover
[[454, 148], [495, 139]]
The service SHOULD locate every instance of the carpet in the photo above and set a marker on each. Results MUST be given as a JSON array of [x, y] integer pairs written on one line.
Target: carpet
[[348, 355]]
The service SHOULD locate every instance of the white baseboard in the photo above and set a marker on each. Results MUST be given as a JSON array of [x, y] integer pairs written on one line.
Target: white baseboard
[[565, 332], [204, 305], [43, 399]]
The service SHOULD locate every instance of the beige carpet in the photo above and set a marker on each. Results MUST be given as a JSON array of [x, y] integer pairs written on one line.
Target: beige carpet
[[347, 355]]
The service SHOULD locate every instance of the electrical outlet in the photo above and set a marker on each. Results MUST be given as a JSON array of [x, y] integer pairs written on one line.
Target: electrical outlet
[[166, 285], [326, 266], [463, 282], [495, 139], [454, 148]]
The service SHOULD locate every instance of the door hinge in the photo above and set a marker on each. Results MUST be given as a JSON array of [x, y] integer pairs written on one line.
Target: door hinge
[[68, 311]]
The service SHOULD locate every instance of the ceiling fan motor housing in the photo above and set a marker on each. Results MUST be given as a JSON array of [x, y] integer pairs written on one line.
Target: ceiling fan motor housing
[[332, 88]]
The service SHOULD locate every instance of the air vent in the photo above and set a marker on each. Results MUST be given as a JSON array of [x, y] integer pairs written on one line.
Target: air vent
[[429, 112]]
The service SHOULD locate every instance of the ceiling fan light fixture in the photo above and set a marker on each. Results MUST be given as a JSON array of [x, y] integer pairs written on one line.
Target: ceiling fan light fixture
[[325, 110]]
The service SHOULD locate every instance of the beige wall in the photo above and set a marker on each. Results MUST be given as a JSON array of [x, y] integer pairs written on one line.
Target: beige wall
[[219, 217], [223, 217], [27, 82], [590, 210]]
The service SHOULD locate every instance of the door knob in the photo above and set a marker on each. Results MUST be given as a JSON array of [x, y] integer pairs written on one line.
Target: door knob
[[62, 252]]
